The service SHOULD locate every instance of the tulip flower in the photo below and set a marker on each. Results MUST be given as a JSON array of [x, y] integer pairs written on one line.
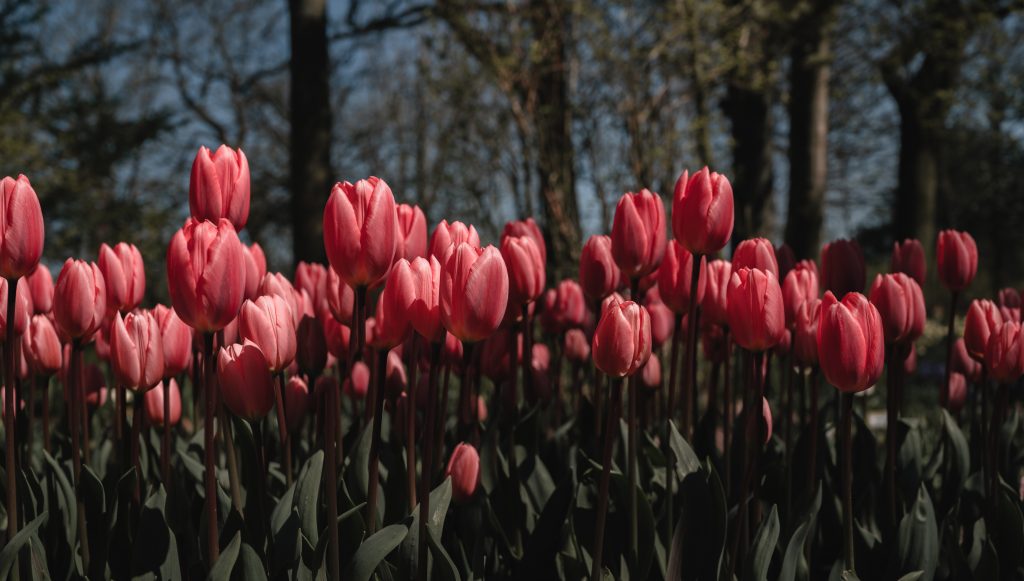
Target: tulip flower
[[358, 383], [908, 258], [650, 375], [425, 311], [564, 308], [337, 337], [622, 341], [395, 304], [662, 320], [799, 286], [124, 275], [599, 274], [956, 392], [311, 346], [176, 337], [1004, 354], [1009, 304], [473, 292], [464, 470], [22, 308], [206, 274], [638, 233], [40, 285], [702, 211], [447, 236], [675, 277], [714, 306], [957, 257], [41, 346], [805, 333], [276, 284], [340, 298], [756, 253], [396, 380], [255, 269], [268, 323], [137, 350], [900, 303], [755, 312], [964, 364], [155, 403], [850, 342], [576, 347], [296, 402], [412, 232], [530, 229], [246, 385], [21, 228], [219, 186], [361, 231], [79, 299], [983, 318], [496, 356], [842, 267], [525, 265]]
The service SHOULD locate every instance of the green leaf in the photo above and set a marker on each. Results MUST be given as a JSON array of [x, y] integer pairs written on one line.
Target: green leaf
[[10, 551], [1007, 530], [918, 548], [645, 525], [793, 563], [357, 473], [307, 499], [763, 547], [251, 566], [373, 550], [440, 498], [155, 548], [686, 459], [444, 567], [699, 538], [221, 570]]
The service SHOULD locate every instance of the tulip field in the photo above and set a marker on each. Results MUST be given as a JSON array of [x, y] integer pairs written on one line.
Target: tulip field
[[428, 406]]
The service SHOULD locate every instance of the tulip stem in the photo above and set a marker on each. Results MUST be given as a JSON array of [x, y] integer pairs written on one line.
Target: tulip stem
[[120, 420], [669, 413], [377, 401], [728, 410], [943, 395], [45, 394], [282, 426], [226, 434], [996, 441], [165, 438], [331, 417], [690, 364], [410, 425], [606, 472], [753, 416], [10, 411], [812, 468], [895, 365], [631, 467], [209, 474], [847, 458], [136, 434], [422, 567], [74, 379]]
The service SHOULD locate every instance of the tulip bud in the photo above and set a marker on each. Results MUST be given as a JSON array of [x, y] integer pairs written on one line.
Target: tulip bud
[[963, 362], [756, 253], [246, 385], [337, 337], [137, 350], [957, 257], [805, 332], [425, 312], [361, 231], [311, 346], [525, 266], [255, 269], [155, 403], [206, 274], [577, 348], [464, 470], [599, 274], [447, 236], [900, 303], [40, 285], [474, 292], [22, 307], [1009, 304], [176, 337], [358, 383], [622, 341], [268, 323], [714, 307], [851, 346], [908, 258], [340, 298], [564, 308], [21, 228], [296, 402], [662, 321], [800, 286], [412, 232], [983, 318], [312, 278], [702, 212], [219, 186], [956, 392], [276, 284], [124, 275], [1004, 354], [638, 233], [650, 375], [842, 267], [675, 277], [756, 315], [392, 320], [41, 346], [79, 299]]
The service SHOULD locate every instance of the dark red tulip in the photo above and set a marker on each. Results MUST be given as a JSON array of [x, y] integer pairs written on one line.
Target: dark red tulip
[[412, 232], [702, 211], [842, 267], [464, 470], [1004, 354], [900, 303], [957, 257], [337, 337], [21, 228], [255, 269], [40, 285], [756, 315], [310, 346], [787, 259], [525, 265], [963, 362], [361, 231], [564, 308], [124, 275], [622, 341], [956, 392], [675, 278], [137, 350], [358, 383], [528, 228], [638, 233], [155, 403], [908, 258], [662, 320], [447, 236], [473, 292], [206, 274], [715, 304], [41, 346], [296, 402], [340, 298], [1010, 304], [176, 337], [799, 286], [756, 253], [851, 345], [219, 187], [268, 323], [805, 333], [983, 318], [246, 386], [22, 307], [599, 274], [577, 348], [79, 299], [650, 375]]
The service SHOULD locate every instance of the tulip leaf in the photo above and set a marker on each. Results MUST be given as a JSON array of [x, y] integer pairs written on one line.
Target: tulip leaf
[[358, 471], [1007, 529], [640, 568], [251, 566], [156, 550], [700, 533], [686, 459], [918, 535], [221, 570], [440, 498], [794, 565], [763, 547], [9, 554], [306, 501], [443, 565], [373, 550]]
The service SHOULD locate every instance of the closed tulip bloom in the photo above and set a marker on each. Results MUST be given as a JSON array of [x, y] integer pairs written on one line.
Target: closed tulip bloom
[[702, 211], [564, 308], [79, 299], [41, 346], [296, 402], [412, 232], [957, 257], [358, 383], [464, 470], [956, 392], [206, 274], [312, 278], [137, 350], [95, 386], [448, 235], [361, 231], [277, 284], [662, 321], [176, 337], [337, 337], [340, 298], [576, 347], [40, 286], [622, 341], [395, 378], [908, 258], [910, 362], [799, 286], [650, 375], [496, 354], [782, 348], [851, 347], [715, 304], [246, 386], [756, 253], [756, 315], [525, 265], [425, 311], [675, 278], [255, 269], [1009, 304], [21, 228], [1004, 354], [219, 186], [805, 333], [530, 229], [786, 258], [842, 267], [900, 303], [124, 275], [963, 362], [638, 233], [473, 292], [599, 274], [311, 346], [155, 403], [983, 318], [268, 323], [394, 306], [22, 307]]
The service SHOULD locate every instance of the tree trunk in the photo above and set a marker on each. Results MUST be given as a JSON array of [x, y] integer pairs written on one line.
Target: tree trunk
[[914, 204], [749, 113], [310, 111]]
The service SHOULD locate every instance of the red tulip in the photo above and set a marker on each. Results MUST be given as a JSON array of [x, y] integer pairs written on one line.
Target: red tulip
[[219, 186], [340, 298], [675, 278], [296, 402], [908, 258], [1004, 354], [176, 337], [1009, 304], [361, 231], [756, 253], [577, 348], [805, 332], [311, 346], [155, 403], [447, 236], [393, 308], [564, 308], [957, 257], [312, 278], [22, 307], [21, 228], [41, 346], [963, 362], [850, 342], [395, 378], [268, 323], [715, 304], [40, 285], [124, 275], [425, 311], [412, 232], [528, 228], [638, 233], [702, 212], [525, 265], [358, 383], [246, 386], [622, 341], [662, 320], [756, 315], [900, 303], [842, 267], [79, 299], [800, 286], [337, 337], [255, 269], [276, 284], [956, 392], [137, 350], [599, 274], [464, 470], [206, 274], [983, 318], [650, 375], [474, 292]]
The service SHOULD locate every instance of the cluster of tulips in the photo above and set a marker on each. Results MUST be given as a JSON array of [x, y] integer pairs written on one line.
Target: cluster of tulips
[[355, 359]]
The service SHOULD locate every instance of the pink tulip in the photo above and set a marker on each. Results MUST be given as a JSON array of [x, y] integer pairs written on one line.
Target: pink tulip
[[246, 386], [564, 308], [312, 278], [908, 258], [255, 269], [40, 285], [176, 337], [21, 228], [394, 306], [464, 471], [756, 315], [577, 348], [340, 298], [800, 286], [22, 307], [528, 228], [268, 323], [137, 350], [276, 284], [296, 402], [702, 212], [851, 344], [983, 318], [842, 267], [395, 378], [716, 294], [650, 375], [425, 311], [206, 274], [956, 392], [473, 292], [412, 232], [756, 253], [155, 403], [1009, 301], [957, 257], [41, 346], [525, 265], [805, 332], [79, 299], [622, 341], [361, 231], [900, 303], [963, 363], [448, 236], [599, 274], [662, 320], [1004, 354], [675, 277], [358, 383], [337, 337], [124, 275], [638, 233], [219, 186]]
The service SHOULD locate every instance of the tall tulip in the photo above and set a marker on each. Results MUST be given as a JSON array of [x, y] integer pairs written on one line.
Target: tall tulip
[[473, 292], [525, 264], [204, 276], [219, 186], [41, 346], [245, 382], [638, 233], [412, 232], [756, 253], [40, 285], [715, 304], [900, 304], [312, 278], [675, 276], [530, 229], [255, 268], [361, 231], [702, 211], [268, 323], [957, 257], [79, 299], [599, 274], [176, 339], [755, 310], [136, 350], [564, 307], [124, 274], [448, 235], [21, 229], [908, 258], [983, 318], [842, 267], [799, 286]]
